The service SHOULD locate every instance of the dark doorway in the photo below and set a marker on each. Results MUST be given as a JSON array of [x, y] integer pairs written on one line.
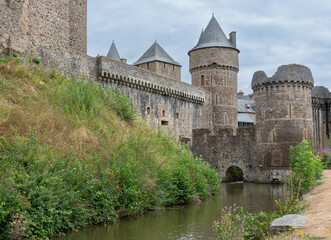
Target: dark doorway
[[234, 174]]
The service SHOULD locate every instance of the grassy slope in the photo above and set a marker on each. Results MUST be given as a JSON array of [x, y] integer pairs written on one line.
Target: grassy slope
[[72, 154]]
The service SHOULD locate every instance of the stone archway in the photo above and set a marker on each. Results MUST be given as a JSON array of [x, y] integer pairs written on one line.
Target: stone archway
[[234, 174]]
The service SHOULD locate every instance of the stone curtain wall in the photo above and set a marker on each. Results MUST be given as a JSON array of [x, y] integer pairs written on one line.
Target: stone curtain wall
[[163, 102], [229, 147], [54, 31]]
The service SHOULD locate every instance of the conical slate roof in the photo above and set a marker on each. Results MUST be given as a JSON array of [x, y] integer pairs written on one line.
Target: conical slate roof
[[156, 53], [213, 36], [113, 53]]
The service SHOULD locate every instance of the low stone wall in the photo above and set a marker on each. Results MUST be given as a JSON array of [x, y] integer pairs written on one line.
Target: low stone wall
[[228, 147]]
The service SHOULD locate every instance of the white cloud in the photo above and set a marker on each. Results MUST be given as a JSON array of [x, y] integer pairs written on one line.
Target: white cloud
[[269, 33]]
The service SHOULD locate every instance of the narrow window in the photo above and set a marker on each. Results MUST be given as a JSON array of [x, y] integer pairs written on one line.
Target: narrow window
[[211, 80], [164, 123], [148, 110], [273, 135], [202, 80], [177, 115], [173, 67], [216, 99], [147, 65], [163, 113], [290, 110], [164, 65]]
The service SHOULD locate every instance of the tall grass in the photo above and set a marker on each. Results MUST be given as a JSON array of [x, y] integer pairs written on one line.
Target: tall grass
[[73, 154]]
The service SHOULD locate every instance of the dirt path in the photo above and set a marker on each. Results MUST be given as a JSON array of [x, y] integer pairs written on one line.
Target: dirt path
[[319, 210]]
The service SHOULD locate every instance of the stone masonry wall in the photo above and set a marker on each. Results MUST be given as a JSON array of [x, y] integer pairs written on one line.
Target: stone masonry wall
[[174, 106], [228, 147], [54, 31], [215, 69], [283, 113], [162, 68]]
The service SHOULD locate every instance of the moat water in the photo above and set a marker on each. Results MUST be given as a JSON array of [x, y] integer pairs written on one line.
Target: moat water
[[189, 222]]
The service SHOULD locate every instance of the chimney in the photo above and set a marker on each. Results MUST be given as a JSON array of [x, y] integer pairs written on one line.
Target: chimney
[[123, 60], [233, 39]]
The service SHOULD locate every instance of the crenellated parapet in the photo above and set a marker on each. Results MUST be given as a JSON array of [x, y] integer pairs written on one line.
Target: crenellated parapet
[[113, 78], [293, 76], [113, 72]]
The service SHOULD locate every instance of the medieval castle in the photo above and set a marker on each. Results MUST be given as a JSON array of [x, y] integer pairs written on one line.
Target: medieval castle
[[207, 115]]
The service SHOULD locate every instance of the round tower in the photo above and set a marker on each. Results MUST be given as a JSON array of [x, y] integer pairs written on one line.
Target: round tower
[[214, 66], [283, 113]]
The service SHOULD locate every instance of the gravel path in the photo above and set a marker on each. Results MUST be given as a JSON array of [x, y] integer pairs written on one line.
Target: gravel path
[[319, 211]]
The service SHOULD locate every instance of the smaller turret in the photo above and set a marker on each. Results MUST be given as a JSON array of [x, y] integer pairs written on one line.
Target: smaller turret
[[157, 60]]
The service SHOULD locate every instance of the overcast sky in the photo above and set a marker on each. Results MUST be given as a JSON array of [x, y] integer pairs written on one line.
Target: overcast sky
[[270, 33]]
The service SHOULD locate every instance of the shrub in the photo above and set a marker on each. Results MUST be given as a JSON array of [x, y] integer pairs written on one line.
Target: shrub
[[227, 227], [256, 225], [36, 60], [235, 223], [305, 165]]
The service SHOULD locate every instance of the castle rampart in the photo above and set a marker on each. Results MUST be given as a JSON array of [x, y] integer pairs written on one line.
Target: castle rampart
[[175, 106]]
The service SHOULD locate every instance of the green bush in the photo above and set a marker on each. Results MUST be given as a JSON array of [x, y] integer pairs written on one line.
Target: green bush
[[228, 227], [56, 193], [36, 60], [256, 225], [305, 165], [235, 223]]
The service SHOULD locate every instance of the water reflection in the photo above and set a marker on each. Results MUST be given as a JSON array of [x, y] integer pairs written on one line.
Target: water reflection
[[188, 222]]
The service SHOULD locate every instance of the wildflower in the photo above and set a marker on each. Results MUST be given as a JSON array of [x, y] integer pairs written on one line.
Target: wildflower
[[326, 230], [296, 230], [290, 229], [293, 227]]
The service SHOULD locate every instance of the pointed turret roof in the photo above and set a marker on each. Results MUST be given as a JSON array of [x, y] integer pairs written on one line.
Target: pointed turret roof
[[156, 53], [113, 53], [213, 36]]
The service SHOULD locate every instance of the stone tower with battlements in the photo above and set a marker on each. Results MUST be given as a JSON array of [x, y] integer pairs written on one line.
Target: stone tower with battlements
[[214, 66], [283, 113]]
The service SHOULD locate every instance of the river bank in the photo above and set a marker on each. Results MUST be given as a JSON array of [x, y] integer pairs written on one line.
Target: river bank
[[318, 210]]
